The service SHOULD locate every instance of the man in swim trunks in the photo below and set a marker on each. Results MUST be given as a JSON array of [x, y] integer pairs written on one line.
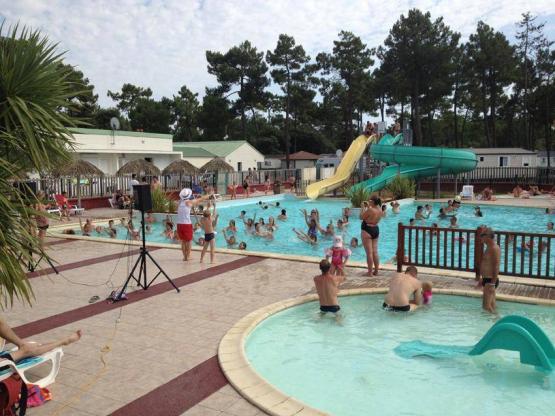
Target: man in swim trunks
[[327, 287], [401, 288], [489, 269], [371, 213]]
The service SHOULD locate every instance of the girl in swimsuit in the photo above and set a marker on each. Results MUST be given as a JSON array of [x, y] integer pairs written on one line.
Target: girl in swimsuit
[[371, 213]]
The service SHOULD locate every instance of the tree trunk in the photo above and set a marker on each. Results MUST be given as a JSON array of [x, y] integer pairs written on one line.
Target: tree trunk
[[485, 109], [349, 135], [287, 112], [455, 108], [243, 117], [382, 106], [463, 127], [255, 120], [416, 121]]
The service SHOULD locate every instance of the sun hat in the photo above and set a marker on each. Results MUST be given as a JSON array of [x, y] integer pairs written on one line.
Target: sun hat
[[338, 241], [185, 193]]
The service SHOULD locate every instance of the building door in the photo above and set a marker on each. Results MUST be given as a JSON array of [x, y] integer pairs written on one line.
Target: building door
[[239, 166]]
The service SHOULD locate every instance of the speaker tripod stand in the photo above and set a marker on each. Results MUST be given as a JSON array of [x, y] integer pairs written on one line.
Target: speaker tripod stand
[[32, 264], [140, 264]]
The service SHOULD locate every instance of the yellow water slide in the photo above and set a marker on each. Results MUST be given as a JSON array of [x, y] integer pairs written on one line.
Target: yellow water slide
[[344, 170]]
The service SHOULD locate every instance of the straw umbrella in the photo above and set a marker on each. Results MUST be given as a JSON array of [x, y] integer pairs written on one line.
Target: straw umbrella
[[180, 167], [217, 165], [78, 168], [138, 166]]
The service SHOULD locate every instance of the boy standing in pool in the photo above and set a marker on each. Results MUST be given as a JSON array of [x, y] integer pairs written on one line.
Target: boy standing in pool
[[489, 269], [327, 287]]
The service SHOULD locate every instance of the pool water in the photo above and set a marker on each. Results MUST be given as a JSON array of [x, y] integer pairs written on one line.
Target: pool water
[[286, 242], [349, 367]]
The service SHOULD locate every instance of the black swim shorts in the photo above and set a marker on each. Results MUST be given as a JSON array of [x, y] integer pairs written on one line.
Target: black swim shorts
[[329, 308], [404, 308], [488, 281], [208, 237]]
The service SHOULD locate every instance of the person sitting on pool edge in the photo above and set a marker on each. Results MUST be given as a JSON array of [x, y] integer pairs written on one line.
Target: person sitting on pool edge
[[401, 288], [327, 287]]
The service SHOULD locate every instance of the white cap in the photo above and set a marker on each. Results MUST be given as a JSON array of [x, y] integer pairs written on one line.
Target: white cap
[[185, 193], [338, 241]]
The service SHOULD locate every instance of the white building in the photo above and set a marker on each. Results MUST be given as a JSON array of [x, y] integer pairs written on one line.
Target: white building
[[109, 150], [512, 157], [238, 153], [300, 160], [542, 158]]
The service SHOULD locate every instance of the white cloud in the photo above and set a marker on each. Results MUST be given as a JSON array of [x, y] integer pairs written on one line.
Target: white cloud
[[162, 44]]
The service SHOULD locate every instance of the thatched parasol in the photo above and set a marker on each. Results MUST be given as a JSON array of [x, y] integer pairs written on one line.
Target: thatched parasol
[[217, 165], [138, 166], [78, 168], [180, 167]]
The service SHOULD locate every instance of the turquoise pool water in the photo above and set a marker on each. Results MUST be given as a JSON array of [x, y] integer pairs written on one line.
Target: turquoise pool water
[[286, 242], [349, 368]]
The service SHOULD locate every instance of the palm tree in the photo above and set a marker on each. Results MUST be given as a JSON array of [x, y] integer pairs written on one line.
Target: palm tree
[[33, 137]]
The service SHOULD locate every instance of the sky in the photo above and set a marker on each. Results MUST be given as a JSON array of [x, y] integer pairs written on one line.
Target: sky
[[162, 43]]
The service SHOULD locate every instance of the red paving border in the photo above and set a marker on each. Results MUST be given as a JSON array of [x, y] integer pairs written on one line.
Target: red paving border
[[83, 263], [180, 394], [68, 317]]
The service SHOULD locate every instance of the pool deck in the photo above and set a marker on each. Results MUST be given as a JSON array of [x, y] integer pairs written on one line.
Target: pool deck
[[156, 353]]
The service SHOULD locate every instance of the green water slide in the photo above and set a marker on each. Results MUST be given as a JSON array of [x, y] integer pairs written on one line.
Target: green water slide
[[415, 162], [513, 333]]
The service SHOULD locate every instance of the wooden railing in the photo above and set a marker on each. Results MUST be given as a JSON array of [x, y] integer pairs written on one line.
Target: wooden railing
[[522, 254], [491, 175]]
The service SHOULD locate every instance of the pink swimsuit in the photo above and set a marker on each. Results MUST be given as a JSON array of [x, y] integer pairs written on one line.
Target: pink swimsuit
[[337, 255], [427, 297]]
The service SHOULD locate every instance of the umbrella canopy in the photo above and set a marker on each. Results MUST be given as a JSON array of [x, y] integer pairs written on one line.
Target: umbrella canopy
[[78, 168], [138, 166], [217, 165], [180, 167]]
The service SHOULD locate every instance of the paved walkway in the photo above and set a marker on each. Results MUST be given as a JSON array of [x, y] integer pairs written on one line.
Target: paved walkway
[[155, 354]]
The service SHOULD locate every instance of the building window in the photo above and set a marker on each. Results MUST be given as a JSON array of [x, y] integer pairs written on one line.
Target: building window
[[239, 166], [148, 159], [482, 158], [526, 160], [267, 163], [503, 160]]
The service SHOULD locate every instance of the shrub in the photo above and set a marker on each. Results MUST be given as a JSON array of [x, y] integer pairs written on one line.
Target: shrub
[[160, 201], [402, 187], [357, 194]]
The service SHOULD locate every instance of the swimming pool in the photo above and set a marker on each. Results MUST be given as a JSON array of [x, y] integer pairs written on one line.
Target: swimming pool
[[350, 368], [286, 242]]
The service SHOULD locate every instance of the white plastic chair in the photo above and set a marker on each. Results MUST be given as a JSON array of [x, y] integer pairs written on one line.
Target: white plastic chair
[[467, 192], [53, 357], [111, 202], [74, 210]]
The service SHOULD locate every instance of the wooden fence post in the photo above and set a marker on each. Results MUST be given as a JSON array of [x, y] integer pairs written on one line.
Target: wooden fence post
[[400, 247], [478, 251]]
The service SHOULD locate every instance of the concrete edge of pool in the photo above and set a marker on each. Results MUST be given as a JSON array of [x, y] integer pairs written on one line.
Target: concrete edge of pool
[[254, 388], [56, 231]]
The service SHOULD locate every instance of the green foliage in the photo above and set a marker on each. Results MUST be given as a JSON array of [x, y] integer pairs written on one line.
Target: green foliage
[[151, 115], [419, 54], [160, 201], [357, 195], [129, 96], [83, 102], [402, 187], [102, 116], [242, 67], [34, 86], [184, 113]]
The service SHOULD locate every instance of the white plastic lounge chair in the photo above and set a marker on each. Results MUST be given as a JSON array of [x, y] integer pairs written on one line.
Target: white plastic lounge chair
[[111, 202], [74, 210], [29, 369], [467, 192], [218, 197]]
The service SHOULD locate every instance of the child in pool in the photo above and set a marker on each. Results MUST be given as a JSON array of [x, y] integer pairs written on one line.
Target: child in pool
[[427, 293], [354, 242], [339, 256]]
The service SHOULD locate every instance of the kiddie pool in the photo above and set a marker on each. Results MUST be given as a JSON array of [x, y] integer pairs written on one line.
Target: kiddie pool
[[297, 360]]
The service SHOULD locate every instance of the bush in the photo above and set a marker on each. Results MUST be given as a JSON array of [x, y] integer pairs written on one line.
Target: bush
[[357, 194], [402, 187], [160, 201]]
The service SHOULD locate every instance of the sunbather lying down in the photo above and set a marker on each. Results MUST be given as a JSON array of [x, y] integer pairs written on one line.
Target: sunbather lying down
[[30, 349]]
